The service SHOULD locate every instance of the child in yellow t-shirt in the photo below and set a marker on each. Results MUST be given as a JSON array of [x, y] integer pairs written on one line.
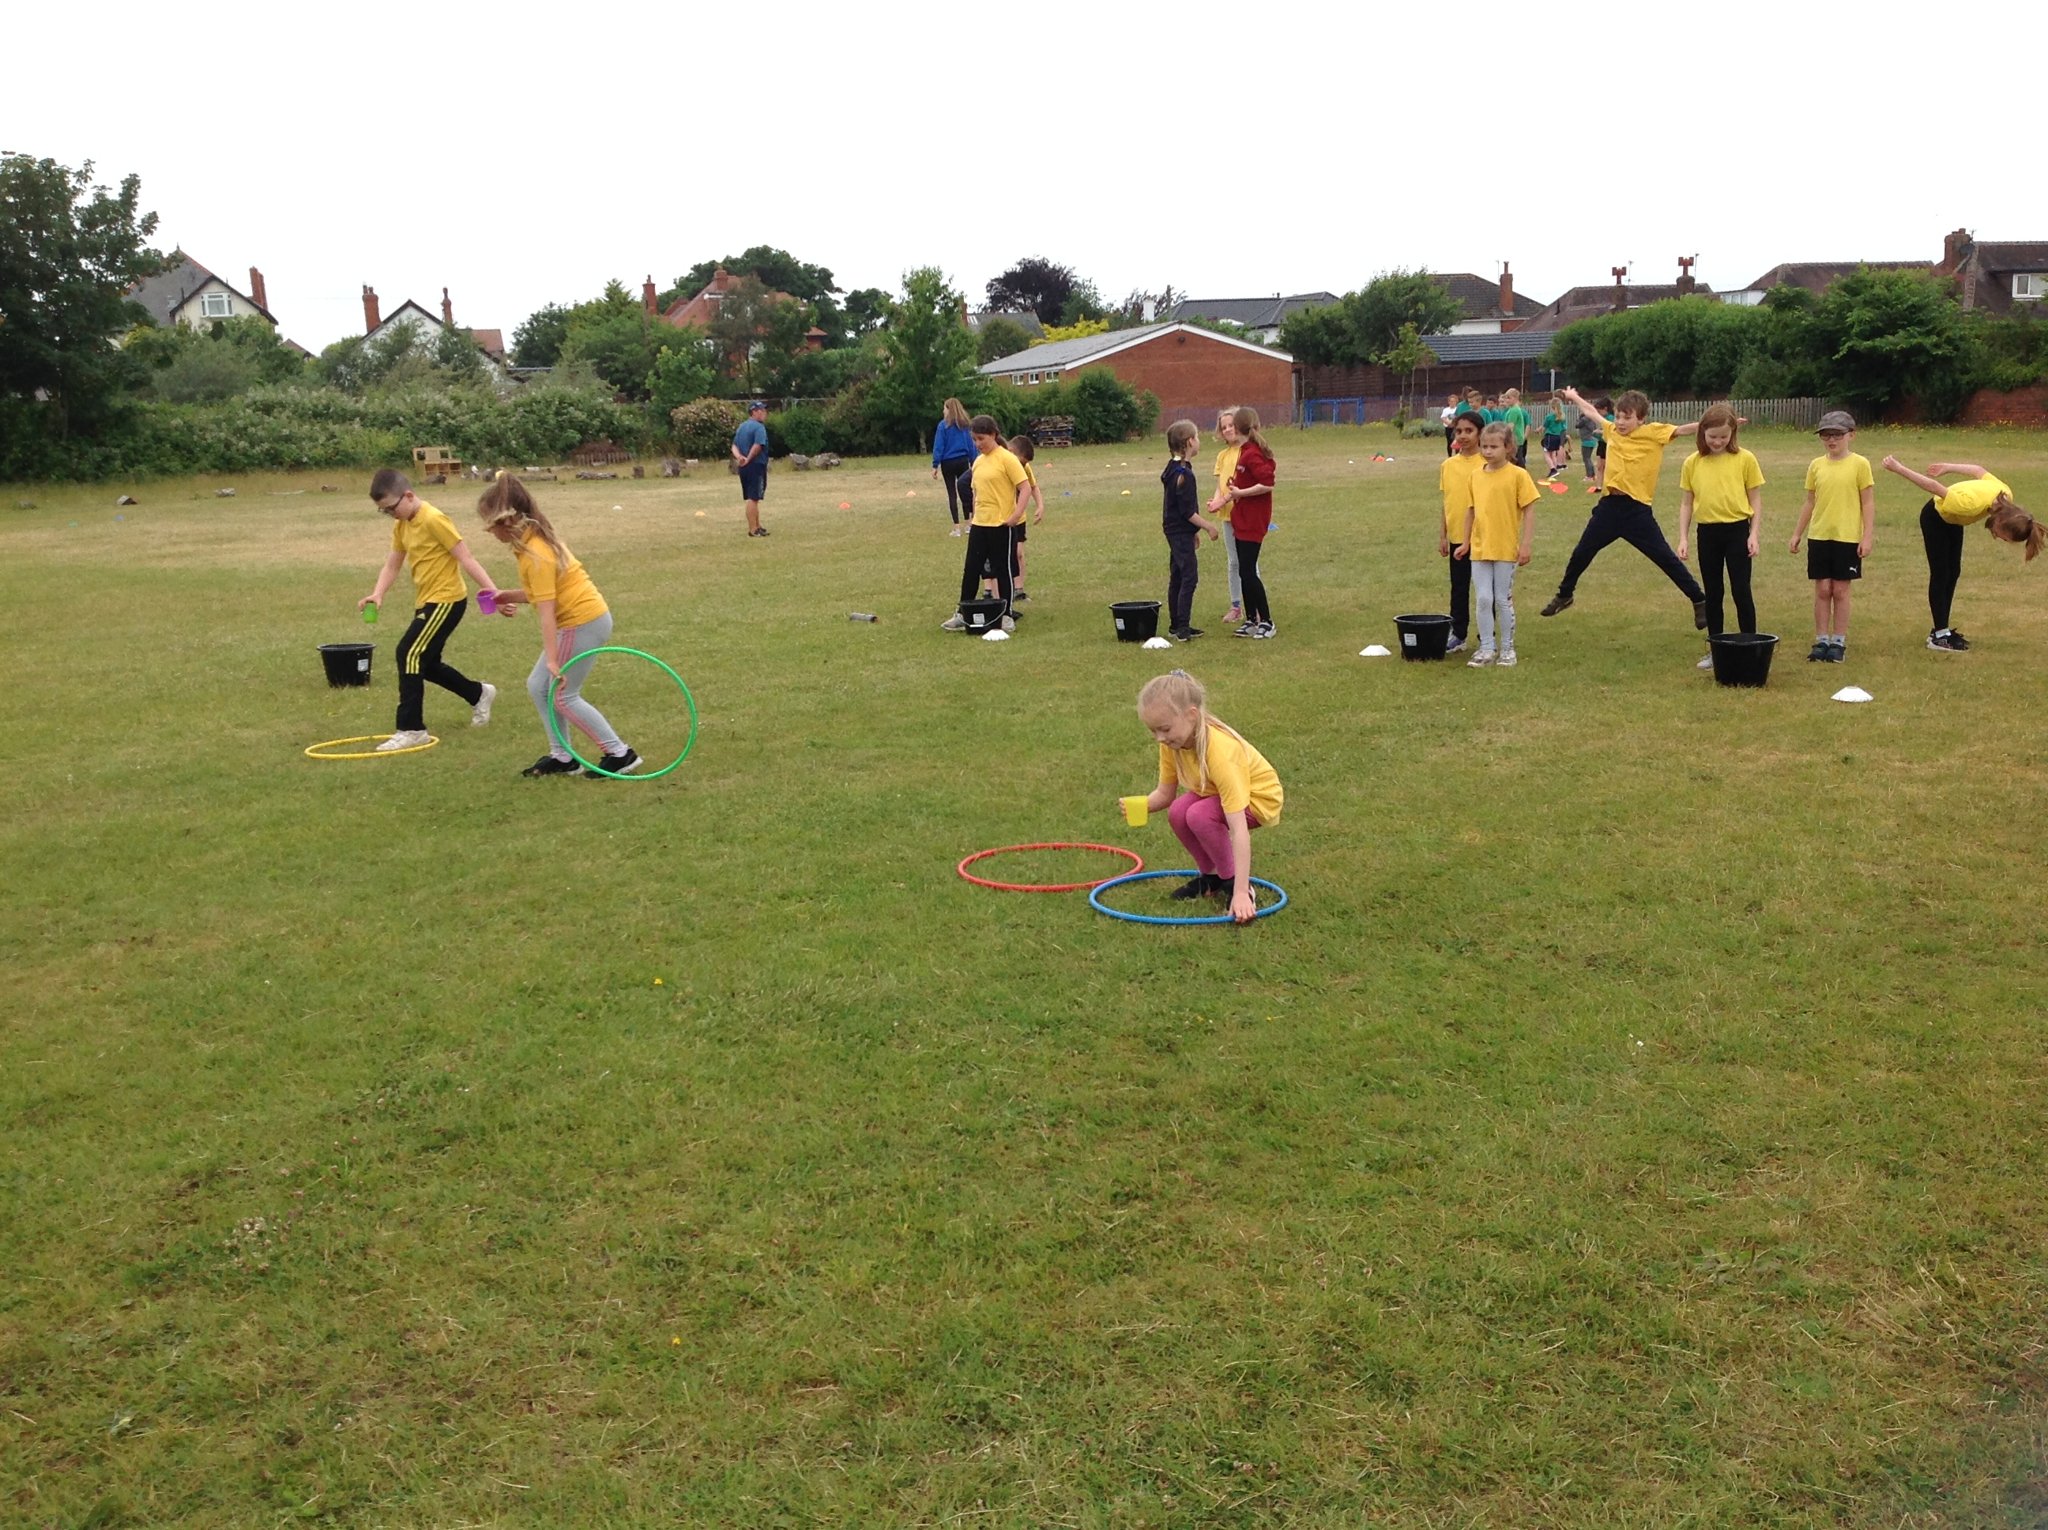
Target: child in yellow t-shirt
[[1022, 449], [425, 538], [1841, 512], [1454, 484], [1635, 453], [1722, 485], [1979, 497], [1215, 786], [1001, 486], [574, 619], [1499, 495], [1219, 506]]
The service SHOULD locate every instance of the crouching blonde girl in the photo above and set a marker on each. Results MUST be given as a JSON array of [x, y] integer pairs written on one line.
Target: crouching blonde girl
[[1215, 786]]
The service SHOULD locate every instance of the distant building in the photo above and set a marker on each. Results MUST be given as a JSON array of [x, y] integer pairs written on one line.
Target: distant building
[[185, 292], [1259, 318], [1193, 372], [1490, 307], [491, 342], [1997, 278], [1814, 276], [980, 318], [1617, 297]]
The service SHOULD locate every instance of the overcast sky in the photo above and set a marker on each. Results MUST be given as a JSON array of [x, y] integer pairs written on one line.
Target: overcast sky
[[520, 156]]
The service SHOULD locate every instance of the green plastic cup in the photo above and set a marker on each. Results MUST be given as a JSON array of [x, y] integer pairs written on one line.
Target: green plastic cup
[[370, 613]]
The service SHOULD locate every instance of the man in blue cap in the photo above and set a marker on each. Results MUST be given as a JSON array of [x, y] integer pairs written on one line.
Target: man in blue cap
[[750, 454]]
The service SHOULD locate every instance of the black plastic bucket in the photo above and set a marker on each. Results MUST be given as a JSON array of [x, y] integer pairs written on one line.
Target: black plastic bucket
[[347, 663], [1742, 658], [1423, 637], [980, 615], [1136, 620]]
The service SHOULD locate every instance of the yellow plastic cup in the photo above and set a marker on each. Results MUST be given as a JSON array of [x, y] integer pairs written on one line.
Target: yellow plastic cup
[[1136, 809]]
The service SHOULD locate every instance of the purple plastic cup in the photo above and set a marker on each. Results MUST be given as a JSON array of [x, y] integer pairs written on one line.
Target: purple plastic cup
[[487, 602]]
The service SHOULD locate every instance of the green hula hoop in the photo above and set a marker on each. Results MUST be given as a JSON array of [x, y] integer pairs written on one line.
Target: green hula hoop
[[555, 724]]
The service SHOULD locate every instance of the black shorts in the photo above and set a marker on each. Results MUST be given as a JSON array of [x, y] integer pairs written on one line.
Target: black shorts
[[1552, 443], [754, 481], [1601, 452], [1017, 532], [1832, 560]]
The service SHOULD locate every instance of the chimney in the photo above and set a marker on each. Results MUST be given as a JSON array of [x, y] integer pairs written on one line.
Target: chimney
[[1686, 284], [370, 319], [965, 322], [1507, 291], [1954, 248], [647, 293], [256, 289], [1620, 292], [447, 309]]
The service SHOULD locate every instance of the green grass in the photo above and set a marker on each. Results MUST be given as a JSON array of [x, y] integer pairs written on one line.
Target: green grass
[[1635, 1120]]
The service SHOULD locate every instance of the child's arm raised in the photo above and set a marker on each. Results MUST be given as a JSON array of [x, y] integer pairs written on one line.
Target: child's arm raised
[[1931, 479]]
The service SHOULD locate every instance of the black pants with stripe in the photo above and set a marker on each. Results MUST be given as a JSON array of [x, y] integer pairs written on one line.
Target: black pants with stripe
[[419, 660]]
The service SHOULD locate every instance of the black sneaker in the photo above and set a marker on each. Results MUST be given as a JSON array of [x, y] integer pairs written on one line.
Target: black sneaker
[[1699, 614], [621, 764], [1558, 602], [1018, 596], [1957, 642], [1837, 652], [1185, 634], [1221, 887], [1194, 887], [548, 765], [1818, 654]]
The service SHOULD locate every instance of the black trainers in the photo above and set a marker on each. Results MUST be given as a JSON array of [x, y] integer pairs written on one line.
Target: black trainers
[[621, 764], [1185, 634], [548, 765], [1818, 653], [1957, 642], [1221, 887], [1194, 887], [1699, 614], [1019, 596], [1837, 652], [1558, 602]]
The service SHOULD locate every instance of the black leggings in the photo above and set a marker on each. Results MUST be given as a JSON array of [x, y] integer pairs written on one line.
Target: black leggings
[[1725, 544], [1617, 518], [988, 550], [1182, 574], [1944, 541], [1461, 596], [1255, 607], [959, 475], [419, 660]]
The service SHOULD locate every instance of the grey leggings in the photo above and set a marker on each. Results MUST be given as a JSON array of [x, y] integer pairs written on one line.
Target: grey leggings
[[1493, 597], [575, 711], [1236, 578]]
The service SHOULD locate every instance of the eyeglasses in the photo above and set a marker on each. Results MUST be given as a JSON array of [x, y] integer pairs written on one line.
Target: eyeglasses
[[392, 508]]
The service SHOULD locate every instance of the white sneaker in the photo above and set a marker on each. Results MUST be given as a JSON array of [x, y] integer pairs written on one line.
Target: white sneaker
[[1480, 660], [411, 739], [1706, 663], [481, 712], [1009, 624], [1507, 659], [957, 531], [954, 623]]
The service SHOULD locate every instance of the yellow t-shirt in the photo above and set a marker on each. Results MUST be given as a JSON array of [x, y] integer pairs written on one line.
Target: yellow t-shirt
[[1226, 469], [1497, 499], [1720, 484], [1634, 459], [1969, 501], [997, 476], [1837, 490], [543, 578], [1238, 774], [1454, 482], [429, 541]]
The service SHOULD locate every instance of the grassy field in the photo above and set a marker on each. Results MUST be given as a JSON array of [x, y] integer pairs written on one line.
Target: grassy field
[[1634, 1121]]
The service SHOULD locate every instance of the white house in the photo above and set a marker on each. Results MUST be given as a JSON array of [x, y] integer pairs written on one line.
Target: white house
[[185, 292]]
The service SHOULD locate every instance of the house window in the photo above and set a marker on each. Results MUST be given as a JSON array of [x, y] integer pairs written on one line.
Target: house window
[[1052, 377], [2030, 286], [1031, 379], [215, 305]]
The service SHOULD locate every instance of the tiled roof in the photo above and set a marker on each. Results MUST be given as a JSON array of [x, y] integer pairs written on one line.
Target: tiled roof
[[1061, 354], [1482, 297], [1252, 313]]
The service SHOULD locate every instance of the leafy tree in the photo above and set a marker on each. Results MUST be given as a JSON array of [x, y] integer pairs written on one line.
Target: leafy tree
[[866, 310], [682, 371], [999, 338], [69, 251], [1081, 329], [1408, 352], [538, 341], [1887, 335], [756, 325], [456, 355], [1364, 326], [1047, 289], [184, 364], [930, 357], [1084, 305], [777, 270]]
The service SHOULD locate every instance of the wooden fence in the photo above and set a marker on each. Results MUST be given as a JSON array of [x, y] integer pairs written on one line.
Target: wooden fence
[[1803, 412]]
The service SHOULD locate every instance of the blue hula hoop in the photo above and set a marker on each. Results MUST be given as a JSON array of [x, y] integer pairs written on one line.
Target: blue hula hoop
[[1095, 900]]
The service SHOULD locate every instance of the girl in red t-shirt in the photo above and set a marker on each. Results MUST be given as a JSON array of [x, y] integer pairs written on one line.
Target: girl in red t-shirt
[[1251, 514]]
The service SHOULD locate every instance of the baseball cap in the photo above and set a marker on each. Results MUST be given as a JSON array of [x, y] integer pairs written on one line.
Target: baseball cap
[[757, 404], [1835, 419]]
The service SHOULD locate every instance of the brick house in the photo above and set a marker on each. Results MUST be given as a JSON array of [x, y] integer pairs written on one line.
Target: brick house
[[185, 292], [411, 315], [1997, 278], [1193, 372], [1490, 307]]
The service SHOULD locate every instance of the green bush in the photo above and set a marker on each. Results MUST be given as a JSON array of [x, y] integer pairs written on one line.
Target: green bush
[[704, 429], [1106, 409], [801, 428]]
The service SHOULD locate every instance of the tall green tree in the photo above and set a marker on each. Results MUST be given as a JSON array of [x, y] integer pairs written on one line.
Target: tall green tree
[[538, 341], [1362, 327], [1050, 290], [69, 251], [930, 357], [757, 330]]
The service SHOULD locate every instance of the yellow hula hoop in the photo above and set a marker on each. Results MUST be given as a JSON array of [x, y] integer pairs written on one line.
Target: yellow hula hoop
[[313, 753]]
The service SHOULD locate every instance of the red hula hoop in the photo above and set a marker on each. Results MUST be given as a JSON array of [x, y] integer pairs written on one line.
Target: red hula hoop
[[1137, 864]]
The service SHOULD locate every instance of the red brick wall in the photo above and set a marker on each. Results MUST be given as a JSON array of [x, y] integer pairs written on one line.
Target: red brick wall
[[1194, 375], [2024, 406]]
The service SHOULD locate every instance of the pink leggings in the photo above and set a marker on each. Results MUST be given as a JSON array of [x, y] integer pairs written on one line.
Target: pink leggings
[[1199, 824]]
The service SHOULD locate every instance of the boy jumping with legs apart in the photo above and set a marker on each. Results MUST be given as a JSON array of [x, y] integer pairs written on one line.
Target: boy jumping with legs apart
[[1635, 448], [1841, 512], [428, 540]]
